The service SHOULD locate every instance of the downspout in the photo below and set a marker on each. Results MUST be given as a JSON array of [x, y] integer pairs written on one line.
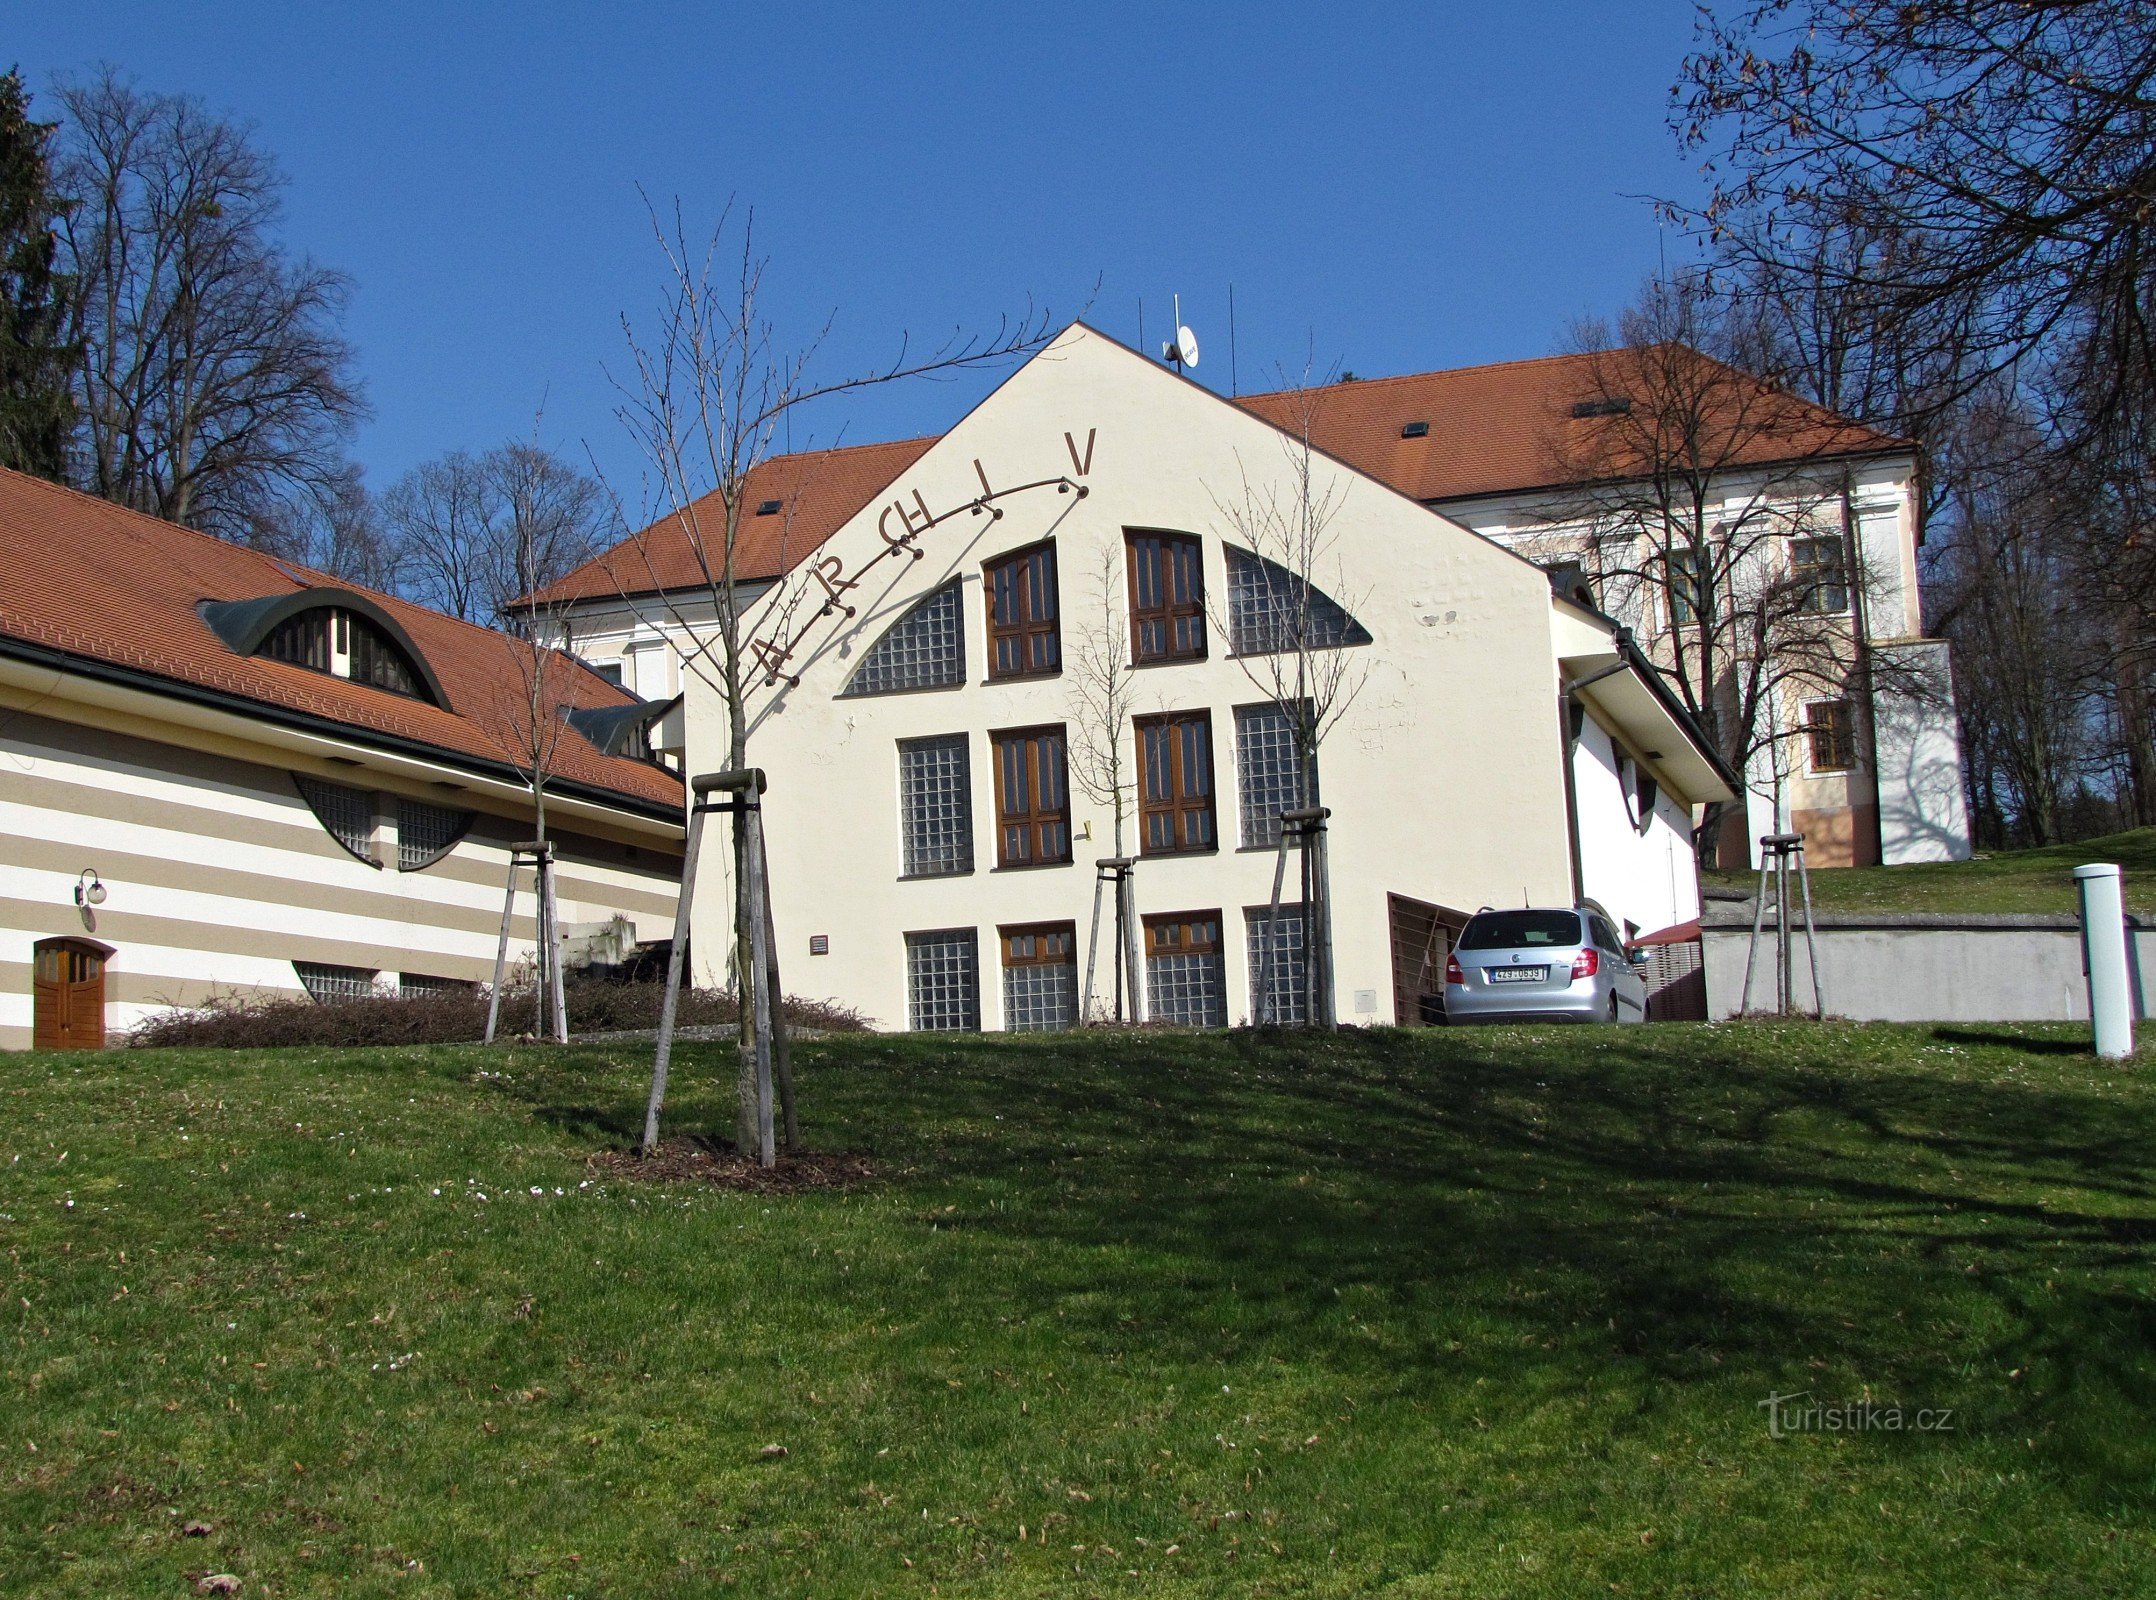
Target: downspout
[[1570, 714], [1860, 626]]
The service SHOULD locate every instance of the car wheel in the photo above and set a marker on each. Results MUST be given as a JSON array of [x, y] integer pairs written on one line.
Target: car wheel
[[1614, 1017]]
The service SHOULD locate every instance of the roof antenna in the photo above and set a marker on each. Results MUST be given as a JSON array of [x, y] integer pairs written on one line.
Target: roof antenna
[[1234, 385], [1182, 351]]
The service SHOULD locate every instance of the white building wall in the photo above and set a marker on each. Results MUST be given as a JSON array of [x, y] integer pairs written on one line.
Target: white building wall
[[219, 876], [1445, 775], [1646, 878]]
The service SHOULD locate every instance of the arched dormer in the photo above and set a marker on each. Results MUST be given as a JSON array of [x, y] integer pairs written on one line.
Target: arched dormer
[[335, 631]]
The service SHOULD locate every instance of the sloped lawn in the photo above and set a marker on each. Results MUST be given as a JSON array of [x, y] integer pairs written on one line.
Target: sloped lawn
[[2040, 880], [1466, 1314]]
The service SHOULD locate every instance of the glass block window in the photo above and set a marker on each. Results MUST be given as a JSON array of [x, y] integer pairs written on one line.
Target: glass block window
[[1816, 567], [327, 984], [1040, 977], [935, 806], [1272, 612], [347, 815], [1024, 635], [924, 649], [943, 981], [1167, 596], [1276, 976], [427, 833], [1175, 783], [414, 985], [1268, 775], [1033, 812], [1186, 980]]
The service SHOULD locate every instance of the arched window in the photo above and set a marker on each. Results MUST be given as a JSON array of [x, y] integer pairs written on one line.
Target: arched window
[[924, 649], [334, 631], [1271, 611]]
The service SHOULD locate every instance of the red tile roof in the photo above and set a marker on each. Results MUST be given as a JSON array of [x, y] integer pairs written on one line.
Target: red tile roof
[[103, 584], [1507, 428], [817, 492], [1492, 430]]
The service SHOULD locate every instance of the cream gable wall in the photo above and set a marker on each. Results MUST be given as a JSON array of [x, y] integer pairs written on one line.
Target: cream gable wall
[[1445, 777]]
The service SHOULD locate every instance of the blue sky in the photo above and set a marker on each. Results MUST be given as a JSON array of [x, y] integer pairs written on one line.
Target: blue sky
[[1396, 188]]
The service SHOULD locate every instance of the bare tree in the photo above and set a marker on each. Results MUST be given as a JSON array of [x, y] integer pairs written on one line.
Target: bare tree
[[1288, 616], [710, 391], [1103, 694], [2003, 146], [335, 529], [1708, 513], [470, 534], [211, 380]]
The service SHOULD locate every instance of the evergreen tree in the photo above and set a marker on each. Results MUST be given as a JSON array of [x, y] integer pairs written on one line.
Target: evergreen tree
[[37, 409]]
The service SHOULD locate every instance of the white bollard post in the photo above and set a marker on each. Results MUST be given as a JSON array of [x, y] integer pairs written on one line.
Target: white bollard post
[[2103, 953]]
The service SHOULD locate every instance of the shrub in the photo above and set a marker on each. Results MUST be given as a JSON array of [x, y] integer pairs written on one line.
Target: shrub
[[249, 1022]]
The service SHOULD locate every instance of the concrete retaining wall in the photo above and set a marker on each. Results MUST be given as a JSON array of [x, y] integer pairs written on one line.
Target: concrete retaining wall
[[1909, 967]]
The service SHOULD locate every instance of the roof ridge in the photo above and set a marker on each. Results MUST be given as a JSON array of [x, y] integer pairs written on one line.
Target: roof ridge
[[1432, 372]]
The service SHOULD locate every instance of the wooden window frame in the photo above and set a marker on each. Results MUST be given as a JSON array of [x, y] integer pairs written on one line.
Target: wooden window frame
[[1150, 558], [1037, 819], [1179, 806], [1037, 638], [1834, 736], [1822, 581]]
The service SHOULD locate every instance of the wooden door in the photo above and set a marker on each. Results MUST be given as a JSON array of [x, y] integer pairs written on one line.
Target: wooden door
[[1422, 936], [67, 989]]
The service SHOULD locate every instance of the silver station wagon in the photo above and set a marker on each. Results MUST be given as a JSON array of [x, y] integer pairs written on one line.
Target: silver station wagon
[[1542, 966]]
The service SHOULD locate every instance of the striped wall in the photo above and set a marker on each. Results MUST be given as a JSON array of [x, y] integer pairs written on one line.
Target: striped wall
[[219, 876]]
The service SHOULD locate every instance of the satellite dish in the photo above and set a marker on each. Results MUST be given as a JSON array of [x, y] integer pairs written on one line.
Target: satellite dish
[[1182, 351]]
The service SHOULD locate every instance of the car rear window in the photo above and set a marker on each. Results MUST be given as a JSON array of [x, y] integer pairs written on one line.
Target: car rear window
[[1520, 930]]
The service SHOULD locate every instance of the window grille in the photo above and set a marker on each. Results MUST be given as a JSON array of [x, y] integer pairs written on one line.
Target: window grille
[[1024, 638], [935, 806], [1816, 566], [943, 981], [325, 639], [328, 985], [302, 640], [427, 833], [1830, 728], [1033, 817], [1175, 783], [413, 985], [1269, 774], [1272, 612], [1186, 979], [377, 660], [1281, 978], [1167, 596], [924, 649], [1040, 977], [347, 815]]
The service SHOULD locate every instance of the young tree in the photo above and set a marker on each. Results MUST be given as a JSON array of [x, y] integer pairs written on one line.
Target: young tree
[[1288, 617], [1103, 694], [710, 392], [210, 376], [37, 412]]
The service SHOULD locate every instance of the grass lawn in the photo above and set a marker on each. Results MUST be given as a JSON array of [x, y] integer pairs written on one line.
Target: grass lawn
[[1438, 1314], [2011, 880]]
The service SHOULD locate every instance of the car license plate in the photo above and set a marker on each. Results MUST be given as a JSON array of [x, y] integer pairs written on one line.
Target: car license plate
[[1517, 974]]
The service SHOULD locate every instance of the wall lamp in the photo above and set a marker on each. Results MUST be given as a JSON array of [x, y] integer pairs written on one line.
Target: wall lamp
[[89, 888]]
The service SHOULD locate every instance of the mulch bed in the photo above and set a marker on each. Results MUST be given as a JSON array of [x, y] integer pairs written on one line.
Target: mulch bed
[[687, 1161]]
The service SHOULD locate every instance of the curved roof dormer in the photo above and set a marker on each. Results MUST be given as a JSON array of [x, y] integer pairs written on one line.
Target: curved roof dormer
[[340, 632]]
